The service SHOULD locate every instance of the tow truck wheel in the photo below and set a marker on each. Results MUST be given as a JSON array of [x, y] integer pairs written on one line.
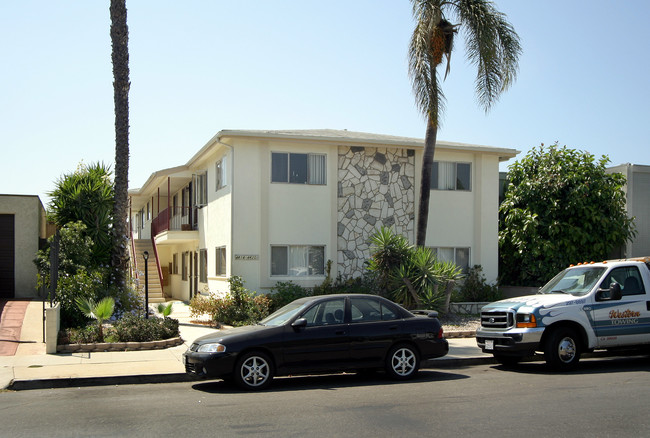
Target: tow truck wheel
[[562, 351]]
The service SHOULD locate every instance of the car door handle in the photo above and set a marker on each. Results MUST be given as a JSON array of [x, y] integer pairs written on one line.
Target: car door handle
[[392, 327], [339, 332]]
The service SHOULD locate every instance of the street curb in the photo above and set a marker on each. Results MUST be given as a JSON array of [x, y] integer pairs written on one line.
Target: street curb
[[71, 382]]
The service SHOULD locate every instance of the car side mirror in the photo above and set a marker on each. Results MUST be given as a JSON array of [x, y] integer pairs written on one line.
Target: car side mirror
[[299, 323], [611, 294]]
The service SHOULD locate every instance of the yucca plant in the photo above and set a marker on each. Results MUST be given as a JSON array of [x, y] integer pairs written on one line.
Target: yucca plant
[[389, 250], [101, 311]]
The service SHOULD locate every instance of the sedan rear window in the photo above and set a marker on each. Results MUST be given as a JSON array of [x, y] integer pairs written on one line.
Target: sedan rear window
[[365, 310]]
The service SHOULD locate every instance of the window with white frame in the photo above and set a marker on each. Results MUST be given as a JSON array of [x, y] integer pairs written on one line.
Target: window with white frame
[[201, 189], [220, 173], [449, 175], [298, 168], [203, 265], [220, 258], [297, 260], [460, 256]]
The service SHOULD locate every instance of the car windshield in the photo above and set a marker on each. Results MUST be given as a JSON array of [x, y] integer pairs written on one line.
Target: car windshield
[[575, 281], [283, 314]]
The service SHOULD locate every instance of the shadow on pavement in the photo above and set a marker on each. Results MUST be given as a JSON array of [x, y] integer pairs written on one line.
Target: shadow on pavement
[[605, 365], [328, 381]]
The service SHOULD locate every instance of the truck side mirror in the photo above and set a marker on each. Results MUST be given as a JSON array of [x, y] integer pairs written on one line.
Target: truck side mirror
[[611, 294], [615, 292]]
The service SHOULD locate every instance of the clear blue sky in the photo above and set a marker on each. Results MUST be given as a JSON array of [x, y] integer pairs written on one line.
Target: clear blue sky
[[201, 66]]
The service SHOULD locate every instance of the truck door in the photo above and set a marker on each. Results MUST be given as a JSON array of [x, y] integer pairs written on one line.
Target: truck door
[[625, 321]]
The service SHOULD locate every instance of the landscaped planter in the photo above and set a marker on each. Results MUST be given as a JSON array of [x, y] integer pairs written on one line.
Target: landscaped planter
[[119, 346], [469, 308]]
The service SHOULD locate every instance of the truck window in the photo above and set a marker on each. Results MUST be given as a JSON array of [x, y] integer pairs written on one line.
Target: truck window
[[575, 281], [628, 277]]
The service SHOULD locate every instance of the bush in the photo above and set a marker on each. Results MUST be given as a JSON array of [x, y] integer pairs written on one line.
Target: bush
[[366, 284], [83, 335], [82, 285], [239, 307], [285, 292], [135, 329], [476, 289]]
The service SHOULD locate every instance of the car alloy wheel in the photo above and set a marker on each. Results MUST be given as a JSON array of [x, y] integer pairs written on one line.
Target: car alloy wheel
[[254, 371], [403, 362]]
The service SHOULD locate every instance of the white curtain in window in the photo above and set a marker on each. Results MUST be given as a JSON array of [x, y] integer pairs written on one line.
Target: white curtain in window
[[446, 175], [298, 260], [462, 258], [317, 169], [445, 254]]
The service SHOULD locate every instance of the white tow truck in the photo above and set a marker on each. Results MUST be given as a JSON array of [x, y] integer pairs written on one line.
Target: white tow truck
[[585, 307]]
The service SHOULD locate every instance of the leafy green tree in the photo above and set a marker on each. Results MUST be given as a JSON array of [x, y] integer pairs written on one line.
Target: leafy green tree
[[491, 45], [86, 195], [561, 207], [121, 85]]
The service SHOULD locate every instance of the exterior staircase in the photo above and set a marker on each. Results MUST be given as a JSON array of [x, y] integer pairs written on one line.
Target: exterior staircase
[[155, 285]]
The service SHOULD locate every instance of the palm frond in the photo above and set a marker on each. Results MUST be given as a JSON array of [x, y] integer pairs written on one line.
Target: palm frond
[[423, 60], [492, 46]]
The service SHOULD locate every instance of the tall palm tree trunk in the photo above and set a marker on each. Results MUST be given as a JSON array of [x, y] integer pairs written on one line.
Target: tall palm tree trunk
[[425, 182], [121, 85]]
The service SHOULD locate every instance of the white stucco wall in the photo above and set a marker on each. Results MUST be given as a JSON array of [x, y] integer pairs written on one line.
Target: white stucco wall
[[468, 218], [278, 213]]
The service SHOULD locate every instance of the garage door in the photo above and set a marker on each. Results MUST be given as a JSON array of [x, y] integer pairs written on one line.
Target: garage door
[[7, 256]]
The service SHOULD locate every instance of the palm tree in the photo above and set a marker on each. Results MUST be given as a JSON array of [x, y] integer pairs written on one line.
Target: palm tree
[[100, 312], [492, 45], [121, 85]]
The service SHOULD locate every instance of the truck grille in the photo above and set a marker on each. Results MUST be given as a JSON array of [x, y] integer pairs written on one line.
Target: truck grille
[[501, 320]]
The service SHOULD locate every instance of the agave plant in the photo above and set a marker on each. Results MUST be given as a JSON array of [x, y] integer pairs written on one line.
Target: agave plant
[[101, 311]]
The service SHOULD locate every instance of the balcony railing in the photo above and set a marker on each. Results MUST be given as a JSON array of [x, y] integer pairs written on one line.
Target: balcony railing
[[180, 220]]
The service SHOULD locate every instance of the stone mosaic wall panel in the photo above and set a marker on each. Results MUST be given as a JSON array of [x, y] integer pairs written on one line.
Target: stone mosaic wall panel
[[376, 187]]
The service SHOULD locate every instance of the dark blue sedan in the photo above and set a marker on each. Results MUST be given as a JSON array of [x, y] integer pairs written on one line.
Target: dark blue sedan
[[320, 334]]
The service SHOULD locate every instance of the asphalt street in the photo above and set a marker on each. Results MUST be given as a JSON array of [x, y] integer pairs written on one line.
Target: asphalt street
[[605, 397]]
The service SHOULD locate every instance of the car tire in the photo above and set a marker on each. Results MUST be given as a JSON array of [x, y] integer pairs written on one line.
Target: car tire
[[562, 350], [507, 360], [402, 362], [253, 371]]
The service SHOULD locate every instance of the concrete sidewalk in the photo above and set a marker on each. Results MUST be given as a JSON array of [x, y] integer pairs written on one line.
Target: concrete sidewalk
[[31, 368]]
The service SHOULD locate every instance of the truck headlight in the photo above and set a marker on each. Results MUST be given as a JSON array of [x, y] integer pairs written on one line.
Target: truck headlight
[[212, 348], [526, 320]]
